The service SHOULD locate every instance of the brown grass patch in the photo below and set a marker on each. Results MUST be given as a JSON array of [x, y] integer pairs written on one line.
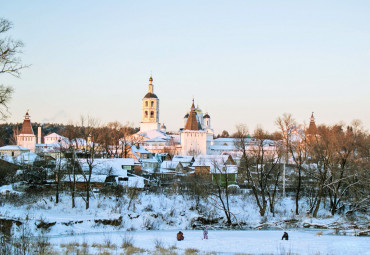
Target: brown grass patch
[[191, 251]]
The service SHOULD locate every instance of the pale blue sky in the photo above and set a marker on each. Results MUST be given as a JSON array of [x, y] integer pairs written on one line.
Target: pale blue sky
[[243, 61]]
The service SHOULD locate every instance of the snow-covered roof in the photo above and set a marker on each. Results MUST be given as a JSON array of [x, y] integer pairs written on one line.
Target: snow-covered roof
[[150, 134], [140, 149], [225, 140], [229, 169], [7, 158], [27, 158], [176, 138], [157, 139], [182, 159], [108, 166], [79, 141], [82, 178], [149, 160], [209, 160], [13, 148], [54, 135], [167, 164], [135, 182]]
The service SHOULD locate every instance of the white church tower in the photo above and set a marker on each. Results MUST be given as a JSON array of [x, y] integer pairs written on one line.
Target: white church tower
[[27, 138], [197, 135], [150, 110]]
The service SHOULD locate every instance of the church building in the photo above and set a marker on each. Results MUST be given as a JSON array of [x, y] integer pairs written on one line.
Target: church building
[[196, 137]]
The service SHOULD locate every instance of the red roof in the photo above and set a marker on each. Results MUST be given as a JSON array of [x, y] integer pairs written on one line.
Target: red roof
[[26, 127], [192, 122]]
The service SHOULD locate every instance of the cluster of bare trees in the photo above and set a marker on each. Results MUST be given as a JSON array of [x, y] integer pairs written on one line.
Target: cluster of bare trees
[[330, 164], [339, 163], [87, 141], [115, 139]]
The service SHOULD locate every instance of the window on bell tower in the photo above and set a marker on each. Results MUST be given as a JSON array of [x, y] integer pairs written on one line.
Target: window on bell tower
[[151, 114], [146, 103], [152, 103], [146, 114]]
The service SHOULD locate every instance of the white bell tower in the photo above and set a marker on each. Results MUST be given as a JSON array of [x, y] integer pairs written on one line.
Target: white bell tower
[[150, 110]]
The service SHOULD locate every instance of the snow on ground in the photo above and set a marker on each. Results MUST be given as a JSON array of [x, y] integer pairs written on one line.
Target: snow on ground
[[221, 241], [166, 214]]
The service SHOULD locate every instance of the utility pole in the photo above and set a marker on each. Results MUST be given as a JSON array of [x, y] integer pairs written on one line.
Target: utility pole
[[284, 180]]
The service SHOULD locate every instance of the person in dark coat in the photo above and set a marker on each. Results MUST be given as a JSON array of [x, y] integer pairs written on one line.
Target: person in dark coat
[[285, 236], [180, 236], [205, 233]]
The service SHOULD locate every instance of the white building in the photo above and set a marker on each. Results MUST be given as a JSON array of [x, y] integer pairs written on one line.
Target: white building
[[13, 150], [26, 138], [197, 135]]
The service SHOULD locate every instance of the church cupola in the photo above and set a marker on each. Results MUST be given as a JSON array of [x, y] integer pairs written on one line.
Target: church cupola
[[186, 118], [207, 120], [163, 128], [150, 93]]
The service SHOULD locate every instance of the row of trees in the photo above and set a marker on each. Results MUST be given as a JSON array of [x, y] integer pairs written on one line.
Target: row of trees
[[330, 162]]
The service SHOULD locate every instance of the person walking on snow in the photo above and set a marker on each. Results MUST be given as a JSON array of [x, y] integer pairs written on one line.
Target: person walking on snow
[[205, 233]]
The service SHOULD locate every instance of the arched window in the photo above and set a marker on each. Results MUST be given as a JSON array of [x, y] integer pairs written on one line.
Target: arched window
[[151, 114], [152, 103], [146, 103], [146, 114]]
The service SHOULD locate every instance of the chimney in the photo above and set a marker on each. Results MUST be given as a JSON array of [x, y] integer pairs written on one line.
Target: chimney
[[39, 135]]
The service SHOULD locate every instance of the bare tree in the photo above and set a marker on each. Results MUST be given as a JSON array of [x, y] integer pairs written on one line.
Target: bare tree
[[198, 187], [116, 131], [259, 166], [88, 131], [72, 167], [298, 150], [221, 181], [10, 63], [104, 138], [128, 139]]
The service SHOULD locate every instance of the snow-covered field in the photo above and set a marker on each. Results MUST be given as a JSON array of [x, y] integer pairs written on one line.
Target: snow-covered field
[[229, 242], [156, 218]]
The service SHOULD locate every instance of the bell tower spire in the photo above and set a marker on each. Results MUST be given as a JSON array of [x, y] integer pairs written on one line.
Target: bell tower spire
[[150, 87]]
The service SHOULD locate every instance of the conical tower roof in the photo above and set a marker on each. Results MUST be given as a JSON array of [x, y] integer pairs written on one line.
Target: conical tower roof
[[192, 121], [26, 127]]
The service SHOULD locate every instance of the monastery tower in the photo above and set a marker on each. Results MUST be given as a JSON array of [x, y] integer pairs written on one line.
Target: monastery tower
[[196, 137], [27, 138], [150, 110]]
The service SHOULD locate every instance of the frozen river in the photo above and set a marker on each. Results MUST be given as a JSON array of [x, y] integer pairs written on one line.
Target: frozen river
[[230, 242]]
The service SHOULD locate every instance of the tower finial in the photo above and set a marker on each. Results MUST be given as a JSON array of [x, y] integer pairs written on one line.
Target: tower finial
[[150, 87]]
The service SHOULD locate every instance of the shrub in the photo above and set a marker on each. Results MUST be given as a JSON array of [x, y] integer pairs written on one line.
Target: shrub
[[127, 241]]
